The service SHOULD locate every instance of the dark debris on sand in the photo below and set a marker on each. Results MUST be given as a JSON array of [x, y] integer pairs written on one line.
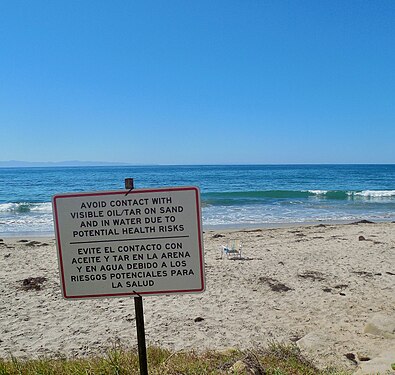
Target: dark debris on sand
[[362, 222], [33, 283], [274, 284], [313, 275], [35, 243]]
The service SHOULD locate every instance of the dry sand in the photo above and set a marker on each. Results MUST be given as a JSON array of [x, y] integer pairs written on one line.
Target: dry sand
[[323, 283]]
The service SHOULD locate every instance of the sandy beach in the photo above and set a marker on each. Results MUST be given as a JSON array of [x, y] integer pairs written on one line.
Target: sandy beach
[[328, 288]]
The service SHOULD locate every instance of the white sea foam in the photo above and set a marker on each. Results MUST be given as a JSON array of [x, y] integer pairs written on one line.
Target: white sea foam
[[7, 207], [42, 207], [375, 193], [24, 223], [318, 192]]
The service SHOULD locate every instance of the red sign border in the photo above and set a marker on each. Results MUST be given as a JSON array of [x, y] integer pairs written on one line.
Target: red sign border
[[122, 192]]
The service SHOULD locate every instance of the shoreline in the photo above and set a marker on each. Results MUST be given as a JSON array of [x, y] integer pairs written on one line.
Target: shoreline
[[219, 227], [318, 286]]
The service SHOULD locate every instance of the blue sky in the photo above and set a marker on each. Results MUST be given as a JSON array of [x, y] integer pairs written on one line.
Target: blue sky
[[207, 82]]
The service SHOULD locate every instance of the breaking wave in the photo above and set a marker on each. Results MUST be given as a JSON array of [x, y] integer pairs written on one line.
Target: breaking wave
[[249, 197], [25, 207]]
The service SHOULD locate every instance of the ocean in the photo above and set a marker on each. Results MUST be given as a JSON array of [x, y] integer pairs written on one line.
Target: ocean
[[232, 195]]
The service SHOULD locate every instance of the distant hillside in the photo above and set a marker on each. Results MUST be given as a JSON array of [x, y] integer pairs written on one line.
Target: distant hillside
[[70, 163]]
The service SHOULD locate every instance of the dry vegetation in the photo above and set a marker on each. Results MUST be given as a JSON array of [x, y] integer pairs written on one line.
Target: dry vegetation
[[275, 360]]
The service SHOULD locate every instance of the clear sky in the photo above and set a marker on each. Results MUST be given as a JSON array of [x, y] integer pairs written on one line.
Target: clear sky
[[207, 81]]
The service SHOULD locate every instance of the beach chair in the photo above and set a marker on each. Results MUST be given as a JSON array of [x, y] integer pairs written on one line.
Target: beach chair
[[232, 250]]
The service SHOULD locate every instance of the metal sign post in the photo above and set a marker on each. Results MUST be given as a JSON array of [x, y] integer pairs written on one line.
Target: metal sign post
[[138, 307], [139, 310]]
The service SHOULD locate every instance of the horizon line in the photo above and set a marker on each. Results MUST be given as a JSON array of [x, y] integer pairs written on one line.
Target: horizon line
[[78, 163]]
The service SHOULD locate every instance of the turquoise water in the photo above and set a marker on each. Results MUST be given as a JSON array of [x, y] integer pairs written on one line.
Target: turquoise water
[[242, 195]]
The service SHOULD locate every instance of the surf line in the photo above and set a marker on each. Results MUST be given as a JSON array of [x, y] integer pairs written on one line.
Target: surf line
[[129, 239]]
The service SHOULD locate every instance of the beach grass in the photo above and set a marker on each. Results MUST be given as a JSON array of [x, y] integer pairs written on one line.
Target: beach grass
[[277, 359]]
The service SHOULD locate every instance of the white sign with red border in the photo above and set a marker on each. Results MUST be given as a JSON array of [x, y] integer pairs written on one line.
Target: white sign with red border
[[119, 243]]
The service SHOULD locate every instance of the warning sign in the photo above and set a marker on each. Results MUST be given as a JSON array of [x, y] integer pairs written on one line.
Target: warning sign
[[115, 243]]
